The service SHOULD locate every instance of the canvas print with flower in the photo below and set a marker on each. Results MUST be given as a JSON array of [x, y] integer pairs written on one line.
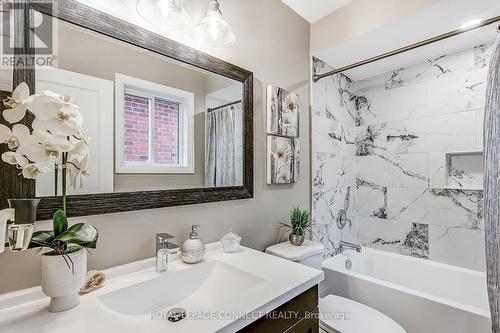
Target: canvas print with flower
[[283, 160], [282, 112]]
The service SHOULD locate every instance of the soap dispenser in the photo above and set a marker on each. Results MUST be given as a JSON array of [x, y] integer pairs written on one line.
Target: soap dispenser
[[193, 249]]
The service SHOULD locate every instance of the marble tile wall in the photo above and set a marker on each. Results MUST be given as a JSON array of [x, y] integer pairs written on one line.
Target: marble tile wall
[[333, 160], [402, 123]]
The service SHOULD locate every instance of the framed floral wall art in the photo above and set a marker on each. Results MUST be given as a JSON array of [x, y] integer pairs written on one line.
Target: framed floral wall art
[[282, 112], [283, 160]]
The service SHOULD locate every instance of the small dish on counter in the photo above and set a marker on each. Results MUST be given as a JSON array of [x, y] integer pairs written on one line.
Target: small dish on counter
[[231, 242]]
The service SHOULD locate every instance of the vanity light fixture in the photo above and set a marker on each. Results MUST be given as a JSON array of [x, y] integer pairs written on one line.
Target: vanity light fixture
[[171, 14], [470, 24], [213, 31], [106, 2]]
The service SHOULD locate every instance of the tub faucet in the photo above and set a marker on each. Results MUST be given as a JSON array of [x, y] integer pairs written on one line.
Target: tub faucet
[[343, 245], [164, 248]]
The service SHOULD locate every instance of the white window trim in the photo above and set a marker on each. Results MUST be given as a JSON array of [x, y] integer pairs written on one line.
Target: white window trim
[[127, 84]]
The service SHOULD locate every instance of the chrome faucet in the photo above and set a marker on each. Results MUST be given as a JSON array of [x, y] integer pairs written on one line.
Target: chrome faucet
[[343, 245], [164, 248]]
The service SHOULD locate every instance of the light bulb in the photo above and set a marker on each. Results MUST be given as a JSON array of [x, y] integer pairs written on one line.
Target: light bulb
[[171, 14], [213, 31], [164, 7], [106, 2]]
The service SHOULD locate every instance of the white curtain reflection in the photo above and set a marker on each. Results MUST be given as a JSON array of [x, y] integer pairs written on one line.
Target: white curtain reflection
[[224, 147]]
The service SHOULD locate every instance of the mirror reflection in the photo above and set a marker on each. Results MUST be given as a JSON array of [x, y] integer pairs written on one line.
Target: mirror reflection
[[154, 123]]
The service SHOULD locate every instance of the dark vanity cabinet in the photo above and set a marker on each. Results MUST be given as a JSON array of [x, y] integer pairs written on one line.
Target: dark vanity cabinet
[[299, 315]]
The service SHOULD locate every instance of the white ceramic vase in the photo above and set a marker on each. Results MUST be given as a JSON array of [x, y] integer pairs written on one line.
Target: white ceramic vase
[[59, 282]]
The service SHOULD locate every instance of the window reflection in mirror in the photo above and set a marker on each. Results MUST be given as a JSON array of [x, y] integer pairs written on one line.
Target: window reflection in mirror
[[154, 123], [154, 127]]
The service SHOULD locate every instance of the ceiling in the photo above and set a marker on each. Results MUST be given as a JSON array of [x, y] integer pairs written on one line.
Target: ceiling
[[424, 24], [313, 10]]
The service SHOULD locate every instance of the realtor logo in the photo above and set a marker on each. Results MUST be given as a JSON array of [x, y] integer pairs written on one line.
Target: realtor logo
[[42, 32]]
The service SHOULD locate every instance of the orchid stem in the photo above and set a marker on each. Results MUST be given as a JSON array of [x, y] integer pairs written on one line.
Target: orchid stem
[[56, 176], [64, 169]]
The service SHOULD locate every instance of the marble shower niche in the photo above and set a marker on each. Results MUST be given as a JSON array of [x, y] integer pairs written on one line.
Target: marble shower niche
[[465, 169], [399, 156]]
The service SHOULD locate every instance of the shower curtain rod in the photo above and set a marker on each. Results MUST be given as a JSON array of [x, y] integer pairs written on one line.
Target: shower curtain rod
[[453, 33], [224, 106]]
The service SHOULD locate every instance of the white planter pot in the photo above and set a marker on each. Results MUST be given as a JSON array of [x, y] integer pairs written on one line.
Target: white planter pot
[[59, 282]]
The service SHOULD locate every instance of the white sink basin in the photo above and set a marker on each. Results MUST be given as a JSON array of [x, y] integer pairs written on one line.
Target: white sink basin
[[208, 285]]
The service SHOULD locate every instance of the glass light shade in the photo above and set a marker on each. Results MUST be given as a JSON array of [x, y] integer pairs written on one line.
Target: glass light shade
[[213, 31], [110, 2], [171, 14]]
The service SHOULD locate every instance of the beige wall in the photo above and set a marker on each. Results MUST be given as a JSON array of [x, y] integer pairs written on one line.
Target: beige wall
[[359, 17], [273, 43]]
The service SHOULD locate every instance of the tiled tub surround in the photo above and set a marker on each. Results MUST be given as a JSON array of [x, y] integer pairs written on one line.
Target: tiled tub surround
[[333, 160], [405, 122]]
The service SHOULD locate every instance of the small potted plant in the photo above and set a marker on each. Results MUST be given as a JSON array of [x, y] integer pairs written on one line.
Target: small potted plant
[[64, 265], [300, 224]]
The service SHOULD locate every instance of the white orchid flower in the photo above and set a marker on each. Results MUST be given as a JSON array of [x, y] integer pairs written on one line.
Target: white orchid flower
[[43, 146], [82, 135], [81, 148], [29, 170], [78, 162], [55, 144], [29, 160], [14, 158], [18, 103], [32, 170], [8, 137], [56, 114], [78, 167], [64, 99], [13, 137]]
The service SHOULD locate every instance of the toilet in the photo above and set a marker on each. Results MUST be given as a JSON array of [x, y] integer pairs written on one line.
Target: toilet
[[338, 314]]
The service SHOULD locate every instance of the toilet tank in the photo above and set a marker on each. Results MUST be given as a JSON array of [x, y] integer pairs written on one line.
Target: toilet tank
[[310, 253]]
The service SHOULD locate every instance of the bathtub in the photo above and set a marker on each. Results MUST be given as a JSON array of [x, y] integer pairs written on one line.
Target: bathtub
[[422, 296]]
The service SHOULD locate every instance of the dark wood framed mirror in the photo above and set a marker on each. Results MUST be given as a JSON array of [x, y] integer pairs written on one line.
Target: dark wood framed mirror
[[77, 16]]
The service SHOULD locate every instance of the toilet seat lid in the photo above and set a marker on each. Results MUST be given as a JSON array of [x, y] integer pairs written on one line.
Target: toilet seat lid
[[339, 314], [295, 253]]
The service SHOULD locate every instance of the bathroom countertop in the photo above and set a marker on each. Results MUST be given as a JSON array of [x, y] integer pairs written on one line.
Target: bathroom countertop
[[26, 310]]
